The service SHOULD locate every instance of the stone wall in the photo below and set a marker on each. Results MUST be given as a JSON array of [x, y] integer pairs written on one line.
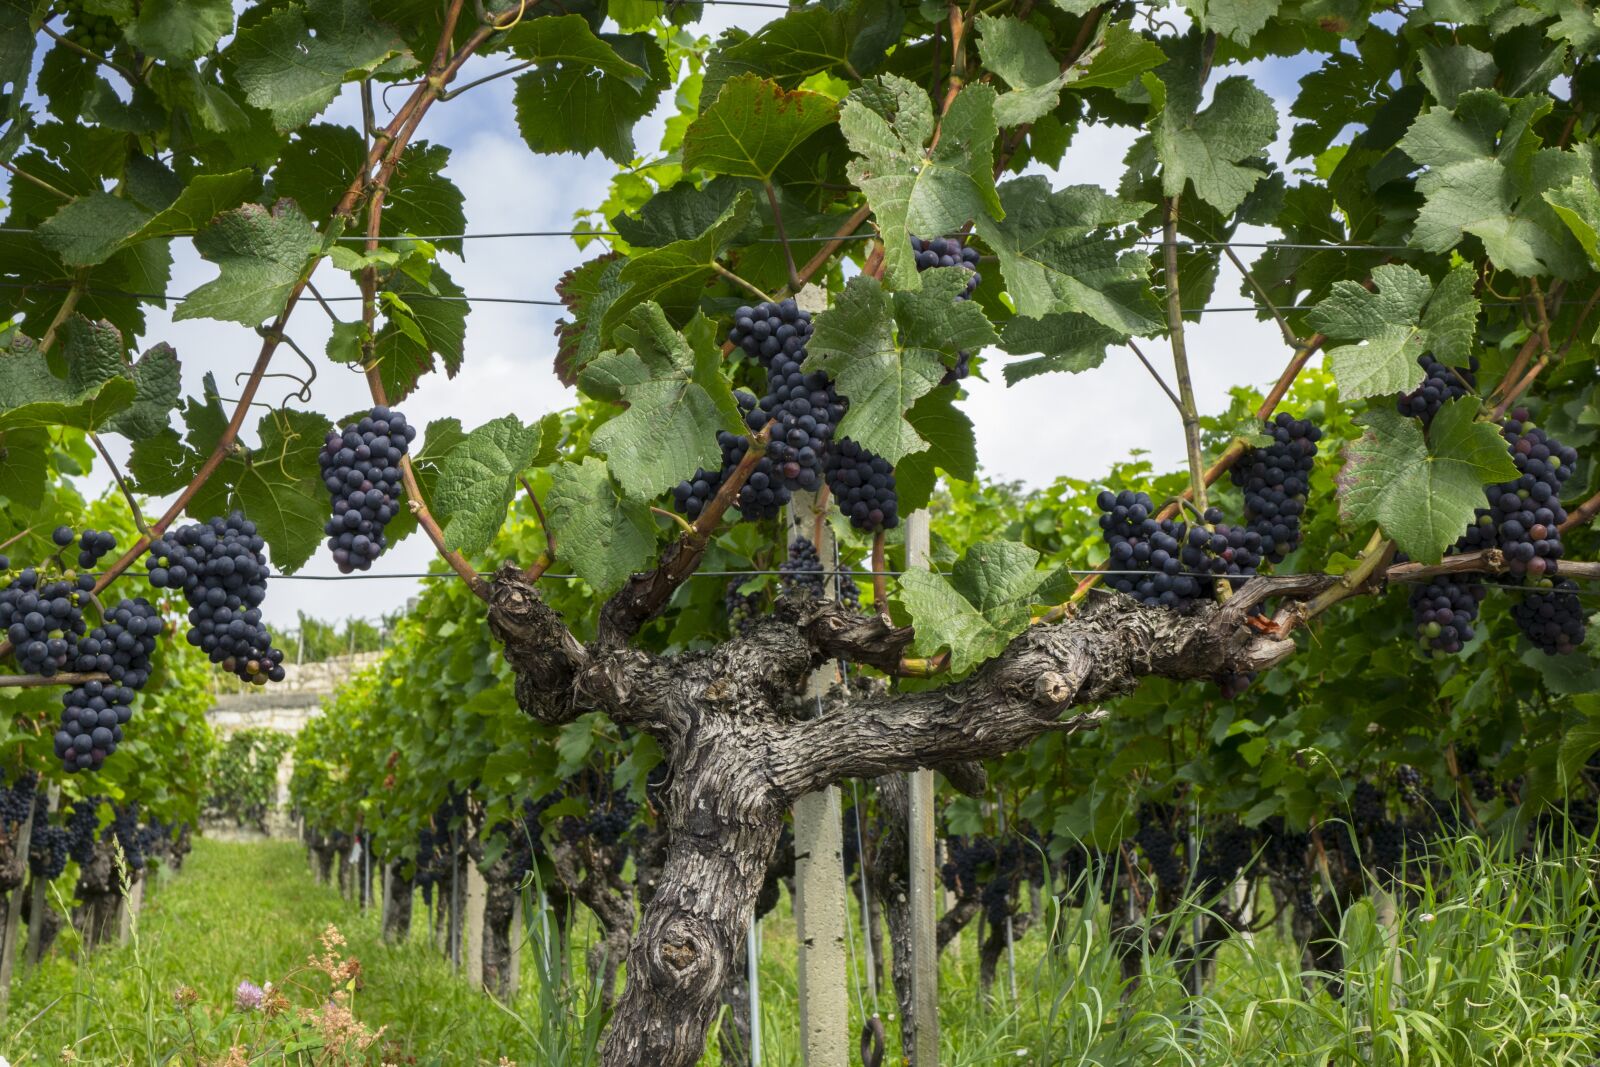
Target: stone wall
[[284, 707]]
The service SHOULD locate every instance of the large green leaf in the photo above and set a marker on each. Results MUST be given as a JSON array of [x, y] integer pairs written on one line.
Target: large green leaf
[[293, 61], [157, 379], [94, 390], [202, 200], [977, 609], [587, 291], [428, 330], [180, 30], [1237, 19], [674, 275], [1423, 490], [1059, 251], [887, 349], [261, 255], [753, 126], [850, 38], [888, 122], [585, 94], [1065, 341], [1486, 175], [278, 485], [677, 399], [478, 479], [1400, 318], [26, 470], [88, 230], [603, 536], [952, 448], [1016, 52], [1208, 147]]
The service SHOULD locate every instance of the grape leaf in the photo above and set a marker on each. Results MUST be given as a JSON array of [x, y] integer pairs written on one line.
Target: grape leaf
[[278, 486], [202, 200], [1016, 52], [584, 94], [1066, 341], [161, 463], [1207, 147], [1404, 316], [478, 479], [975, 610], [157, 379], [1422, 490], [887, 349], [587, 290], [1577, 205], [952, 447], [679, 212], [1486, 175], [88, 230], [180, 30], [674, 275], [602, 534], [438, 439], [1057, 254], [436, 326], [260, 254], [677, 399], [292, 61], [753, 126], [1239, 20], [806, 41], [24, 464], [94, 390], [888, 122]]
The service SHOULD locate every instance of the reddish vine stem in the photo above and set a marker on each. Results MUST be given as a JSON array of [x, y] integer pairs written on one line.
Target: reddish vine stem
[[1578, 516], [534, 572]]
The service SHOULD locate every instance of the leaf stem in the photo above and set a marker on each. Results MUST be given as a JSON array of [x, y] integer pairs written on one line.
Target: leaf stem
[[675, 517], [129, 76], [1180, 355], [127, 494], [1283, 325], [1578, 516], [740, 282], [783, 237], [40, 182], [1157, 376], [69, 304]]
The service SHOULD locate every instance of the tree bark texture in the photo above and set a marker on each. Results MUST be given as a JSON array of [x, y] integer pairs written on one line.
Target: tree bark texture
[[740, 749], [500, 906], [100, 891]]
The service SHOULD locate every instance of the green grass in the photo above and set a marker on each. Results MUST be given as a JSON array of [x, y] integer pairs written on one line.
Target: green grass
[[1496, 965]]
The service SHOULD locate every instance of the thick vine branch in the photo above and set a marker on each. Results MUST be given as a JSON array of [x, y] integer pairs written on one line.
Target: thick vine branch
[[38, 681]]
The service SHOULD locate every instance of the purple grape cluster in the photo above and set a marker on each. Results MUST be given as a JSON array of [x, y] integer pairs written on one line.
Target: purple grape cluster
[[1552, 619], [92, 546], [222, 573], [94, 713], [950, 252], [1444, 611], [1526, 514], [1275, 480], [1441, 384], [862, 484], [771, 328], [1163, 563], [762, 494], [43, 620], [803, 569], [361, 468]]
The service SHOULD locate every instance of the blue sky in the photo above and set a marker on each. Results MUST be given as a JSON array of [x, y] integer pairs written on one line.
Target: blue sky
[[1054, 425]]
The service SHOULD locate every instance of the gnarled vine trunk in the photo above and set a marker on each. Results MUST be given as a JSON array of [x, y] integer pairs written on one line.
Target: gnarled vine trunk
[[499, 908], [739, 752], [397, 908]]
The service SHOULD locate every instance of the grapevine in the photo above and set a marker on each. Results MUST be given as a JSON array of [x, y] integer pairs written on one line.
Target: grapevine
[[361, 469]]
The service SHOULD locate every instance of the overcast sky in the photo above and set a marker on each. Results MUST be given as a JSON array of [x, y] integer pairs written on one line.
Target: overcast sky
[[1052, 425]]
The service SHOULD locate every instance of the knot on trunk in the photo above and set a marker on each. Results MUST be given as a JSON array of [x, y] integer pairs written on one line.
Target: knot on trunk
[[686, 955]]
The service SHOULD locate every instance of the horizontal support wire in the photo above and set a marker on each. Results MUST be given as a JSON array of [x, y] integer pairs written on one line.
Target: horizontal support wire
[[1076, 572], [557, 303]]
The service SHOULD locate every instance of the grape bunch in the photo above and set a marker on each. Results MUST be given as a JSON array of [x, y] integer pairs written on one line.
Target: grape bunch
[[1441, 383], [361, 468], [742, 608], [1275, 480], [862, 484], [803, 569], [607, 819], [1224, 855], [1553, 619], [96, 33], [43, 619], [126, 831], [763, 492], [1526, 514], [950, 252], [82, 821], [1163, 563], [966, 857], [1444, 611], [16, 801], [769, 329], [223, 575], [47, 851], [93, 713], [804, 409], [1159, 847], [1410, 781]]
